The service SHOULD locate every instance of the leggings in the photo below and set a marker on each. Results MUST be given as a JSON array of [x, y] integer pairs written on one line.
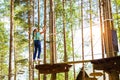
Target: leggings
[[37, 48]]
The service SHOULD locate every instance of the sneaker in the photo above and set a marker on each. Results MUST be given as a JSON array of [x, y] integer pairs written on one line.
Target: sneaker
[[39, 59], [33, 60]]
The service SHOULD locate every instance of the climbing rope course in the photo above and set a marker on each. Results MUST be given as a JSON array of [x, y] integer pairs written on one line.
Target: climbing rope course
[[76, 34]]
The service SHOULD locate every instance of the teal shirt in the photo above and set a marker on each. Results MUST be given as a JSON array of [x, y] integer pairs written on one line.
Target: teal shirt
[[36, 36]]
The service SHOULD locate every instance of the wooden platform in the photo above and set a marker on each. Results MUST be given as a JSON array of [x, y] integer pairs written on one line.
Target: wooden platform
[[75, 62], [53, 68], [90, 78], [107, 64], [96, 74]]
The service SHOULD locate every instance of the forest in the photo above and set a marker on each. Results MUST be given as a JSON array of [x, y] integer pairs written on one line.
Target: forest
[[73, 35]]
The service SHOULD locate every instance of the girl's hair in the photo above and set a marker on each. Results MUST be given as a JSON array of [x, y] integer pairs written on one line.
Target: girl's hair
[[33, 32]]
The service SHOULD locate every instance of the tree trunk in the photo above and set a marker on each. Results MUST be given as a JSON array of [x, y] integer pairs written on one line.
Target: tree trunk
[[54, 24], [15, 64], [30, 54], [64, 33], [82, 32], [38, 30], [38, 14], [44, 77], [108, 27], [72, 35], [52, 43], [32, 48], [102, 36], [11, 38], [101, 29], [91, 32]]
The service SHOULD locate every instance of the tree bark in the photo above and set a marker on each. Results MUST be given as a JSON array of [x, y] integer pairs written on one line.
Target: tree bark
[[64, 35], [32, 48], [29, 38], [44, 77], [38, 30], [11, 38], [108, 27], [72, 35], [82, 32], [52, 43]]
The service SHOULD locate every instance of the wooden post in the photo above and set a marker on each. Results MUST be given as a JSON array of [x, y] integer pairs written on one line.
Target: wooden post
[[113, 76], [108, 27], [91, 33], [52, 43], [38, 71], [72, 35], [44, 77], [101, 28], [82, 32], [38, 30], [64, 35]]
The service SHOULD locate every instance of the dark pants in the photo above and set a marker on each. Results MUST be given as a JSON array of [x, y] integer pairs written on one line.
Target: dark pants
[[37, 48]]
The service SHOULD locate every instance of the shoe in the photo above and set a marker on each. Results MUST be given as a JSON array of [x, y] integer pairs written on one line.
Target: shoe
[[39, 59], [33, 60]]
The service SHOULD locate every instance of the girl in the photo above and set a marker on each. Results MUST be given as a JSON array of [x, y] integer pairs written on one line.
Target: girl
[[37, 43]]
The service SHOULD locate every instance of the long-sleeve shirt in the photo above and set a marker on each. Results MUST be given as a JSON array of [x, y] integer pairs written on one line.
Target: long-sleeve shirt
[[36, 36]]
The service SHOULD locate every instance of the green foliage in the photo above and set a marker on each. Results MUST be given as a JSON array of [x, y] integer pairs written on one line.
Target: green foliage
[[116, 16], [21, 34], [60, 76], [70, 15], [4, 8], [21, 41], [21, 15], [58, 9], [3, 51], [22, 62], [3, 39]]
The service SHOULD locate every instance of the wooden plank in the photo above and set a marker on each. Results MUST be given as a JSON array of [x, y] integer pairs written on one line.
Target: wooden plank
[[107, 64], [77, 62], [53, 68], [90, 78], [57, 70], [96, 74]]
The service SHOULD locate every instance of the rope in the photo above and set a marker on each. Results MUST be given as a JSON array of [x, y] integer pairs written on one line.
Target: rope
[[108, 20]]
